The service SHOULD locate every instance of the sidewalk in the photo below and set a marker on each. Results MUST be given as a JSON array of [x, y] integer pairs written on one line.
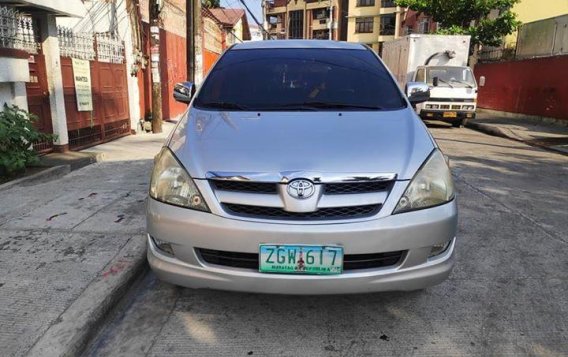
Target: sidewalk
[[549, 136], [69, 248]]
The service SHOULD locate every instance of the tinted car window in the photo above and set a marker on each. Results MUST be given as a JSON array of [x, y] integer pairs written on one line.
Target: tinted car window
[[299, 79]]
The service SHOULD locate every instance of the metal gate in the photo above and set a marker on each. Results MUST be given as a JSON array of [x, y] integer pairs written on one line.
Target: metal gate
[[38, 99], [110, 117]]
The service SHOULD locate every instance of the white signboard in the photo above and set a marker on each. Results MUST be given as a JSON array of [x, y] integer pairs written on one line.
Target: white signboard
[[82, 78]]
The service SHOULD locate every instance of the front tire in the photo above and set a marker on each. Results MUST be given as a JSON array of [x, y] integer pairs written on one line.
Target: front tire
[[459, 123]]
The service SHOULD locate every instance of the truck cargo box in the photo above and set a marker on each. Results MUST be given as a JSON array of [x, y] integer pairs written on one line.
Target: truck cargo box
[[403, 55]]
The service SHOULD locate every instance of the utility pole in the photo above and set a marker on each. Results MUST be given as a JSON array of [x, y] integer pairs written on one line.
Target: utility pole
[[190, 39], [263, 4], [260, 26], [330, 20], [154, 11]]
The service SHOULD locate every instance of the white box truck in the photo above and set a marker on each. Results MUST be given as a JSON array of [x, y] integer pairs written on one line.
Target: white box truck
[[441, 62]]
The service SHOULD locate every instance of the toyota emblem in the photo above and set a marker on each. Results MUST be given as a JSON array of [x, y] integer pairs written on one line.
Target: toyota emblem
[[301, 189]]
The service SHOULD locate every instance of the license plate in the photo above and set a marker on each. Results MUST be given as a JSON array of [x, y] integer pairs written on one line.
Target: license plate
[[450, 115], [300, 259]]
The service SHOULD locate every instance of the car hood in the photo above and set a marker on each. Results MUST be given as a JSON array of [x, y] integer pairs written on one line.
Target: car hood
[[320, 141]]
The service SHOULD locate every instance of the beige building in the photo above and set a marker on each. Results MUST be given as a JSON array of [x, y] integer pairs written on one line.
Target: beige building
[[373, 22], [299, 19]]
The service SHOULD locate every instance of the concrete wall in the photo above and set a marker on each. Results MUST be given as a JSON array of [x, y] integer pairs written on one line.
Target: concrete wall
[[14, 69], [173, 15], [535, 86], [213, 43], [14, 72], [13, 93], [534, 10]]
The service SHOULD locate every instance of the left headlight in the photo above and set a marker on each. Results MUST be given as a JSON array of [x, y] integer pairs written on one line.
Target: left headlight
[[431, 186], [171, 184]]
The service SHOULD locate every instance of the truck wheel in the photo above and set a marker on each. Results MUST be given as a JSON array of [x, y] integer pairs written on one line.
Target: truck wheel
[[458, 124]]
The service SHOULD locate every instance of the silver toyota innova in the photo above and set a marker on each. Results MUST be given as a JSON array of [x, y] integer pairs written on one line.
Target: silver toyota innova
[[301, 168]]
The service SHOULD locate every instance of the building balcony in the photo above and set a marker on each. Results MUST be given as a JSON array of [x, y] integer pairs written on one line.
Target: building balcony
[[384, 38], [320, 24], [387, 32]]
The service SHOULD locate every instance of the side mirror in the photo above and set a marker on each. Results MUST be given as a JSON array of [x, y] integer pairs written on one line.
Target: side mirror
[[435, 81], [417, 92], [184, 91], [482, 81]]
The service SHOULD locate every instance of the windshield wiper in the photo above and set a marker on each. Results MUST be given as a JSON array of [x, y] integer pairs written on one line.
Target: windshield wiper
[[444, 81], [224, 105], [330, 105], [462, 82]]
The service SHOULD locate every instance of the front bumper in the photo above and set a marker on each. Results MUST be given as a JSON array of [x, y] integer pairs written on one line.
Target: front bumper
[[415, 232], [439, 115]]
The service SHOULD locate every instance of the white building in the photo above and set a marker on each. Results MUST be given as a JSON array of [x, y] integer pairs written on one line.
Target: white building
[[255, 33]]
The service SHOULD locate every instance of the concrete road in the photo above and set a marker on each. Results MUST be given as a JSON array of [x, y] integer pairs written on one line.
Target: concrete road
[[508, 294], [61, 237]]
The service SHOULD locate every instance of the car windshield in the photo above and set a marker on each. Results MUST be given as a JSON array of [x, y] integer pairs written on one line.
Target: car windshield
[[451, 76], [299, 79]]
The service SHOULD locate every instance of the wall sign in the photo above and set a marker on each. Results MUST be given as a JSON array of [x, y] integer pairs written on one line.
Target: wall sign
[[82, 78]]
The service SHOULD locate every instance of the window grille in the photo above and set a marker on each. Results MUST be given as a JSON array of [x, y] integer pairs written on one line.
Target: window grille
[[361, 3], [364, 25]]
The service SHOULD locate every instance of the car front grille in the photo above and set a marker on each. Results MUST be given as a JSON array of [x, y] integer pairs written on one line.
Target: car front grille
[[336, 188], [350, 261], [245, 186], [268, 200], [328, 213], [346, 188]]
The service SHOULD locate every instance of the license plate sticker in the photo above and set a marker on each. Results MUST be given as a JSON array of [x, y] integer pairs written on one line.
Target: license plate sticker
[[300, 259], [450, 115]]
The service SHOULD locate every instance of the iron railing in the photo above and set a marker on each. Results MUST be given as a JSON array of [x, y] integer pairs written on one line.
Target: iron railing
[[76, 45], [17, 31], [109, 48], [103, 47]]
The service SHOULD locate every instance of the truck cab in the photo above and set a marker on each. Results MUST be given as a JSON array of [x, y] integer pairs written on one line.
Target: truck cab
[[441, 62], [453, 93]]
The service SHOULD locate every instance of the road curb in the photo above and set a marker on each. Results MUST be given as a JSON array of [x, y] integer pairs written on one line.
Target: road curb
[[496, 131], [51, 173], [72, 331]]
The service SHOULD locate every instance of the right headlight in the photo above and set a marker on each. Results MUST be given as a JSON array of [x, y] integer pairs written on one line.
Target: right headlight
[[431, 186], [171, 184]]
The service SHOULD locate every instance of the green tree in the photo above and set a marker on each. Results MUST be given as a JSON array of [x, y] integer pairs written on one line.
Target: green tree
[[470, 17], [211, 4]]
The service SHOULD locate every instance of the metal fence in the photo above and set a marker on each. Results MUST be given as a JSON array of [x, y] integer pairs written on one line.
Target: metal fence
[[109, 48], [102, 47], [493, 54], [17, 31], [76, 45]]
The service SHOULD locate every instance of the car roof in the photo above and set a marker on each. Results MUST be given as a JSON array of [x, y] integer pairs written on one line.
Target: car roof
[[272, 44]]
